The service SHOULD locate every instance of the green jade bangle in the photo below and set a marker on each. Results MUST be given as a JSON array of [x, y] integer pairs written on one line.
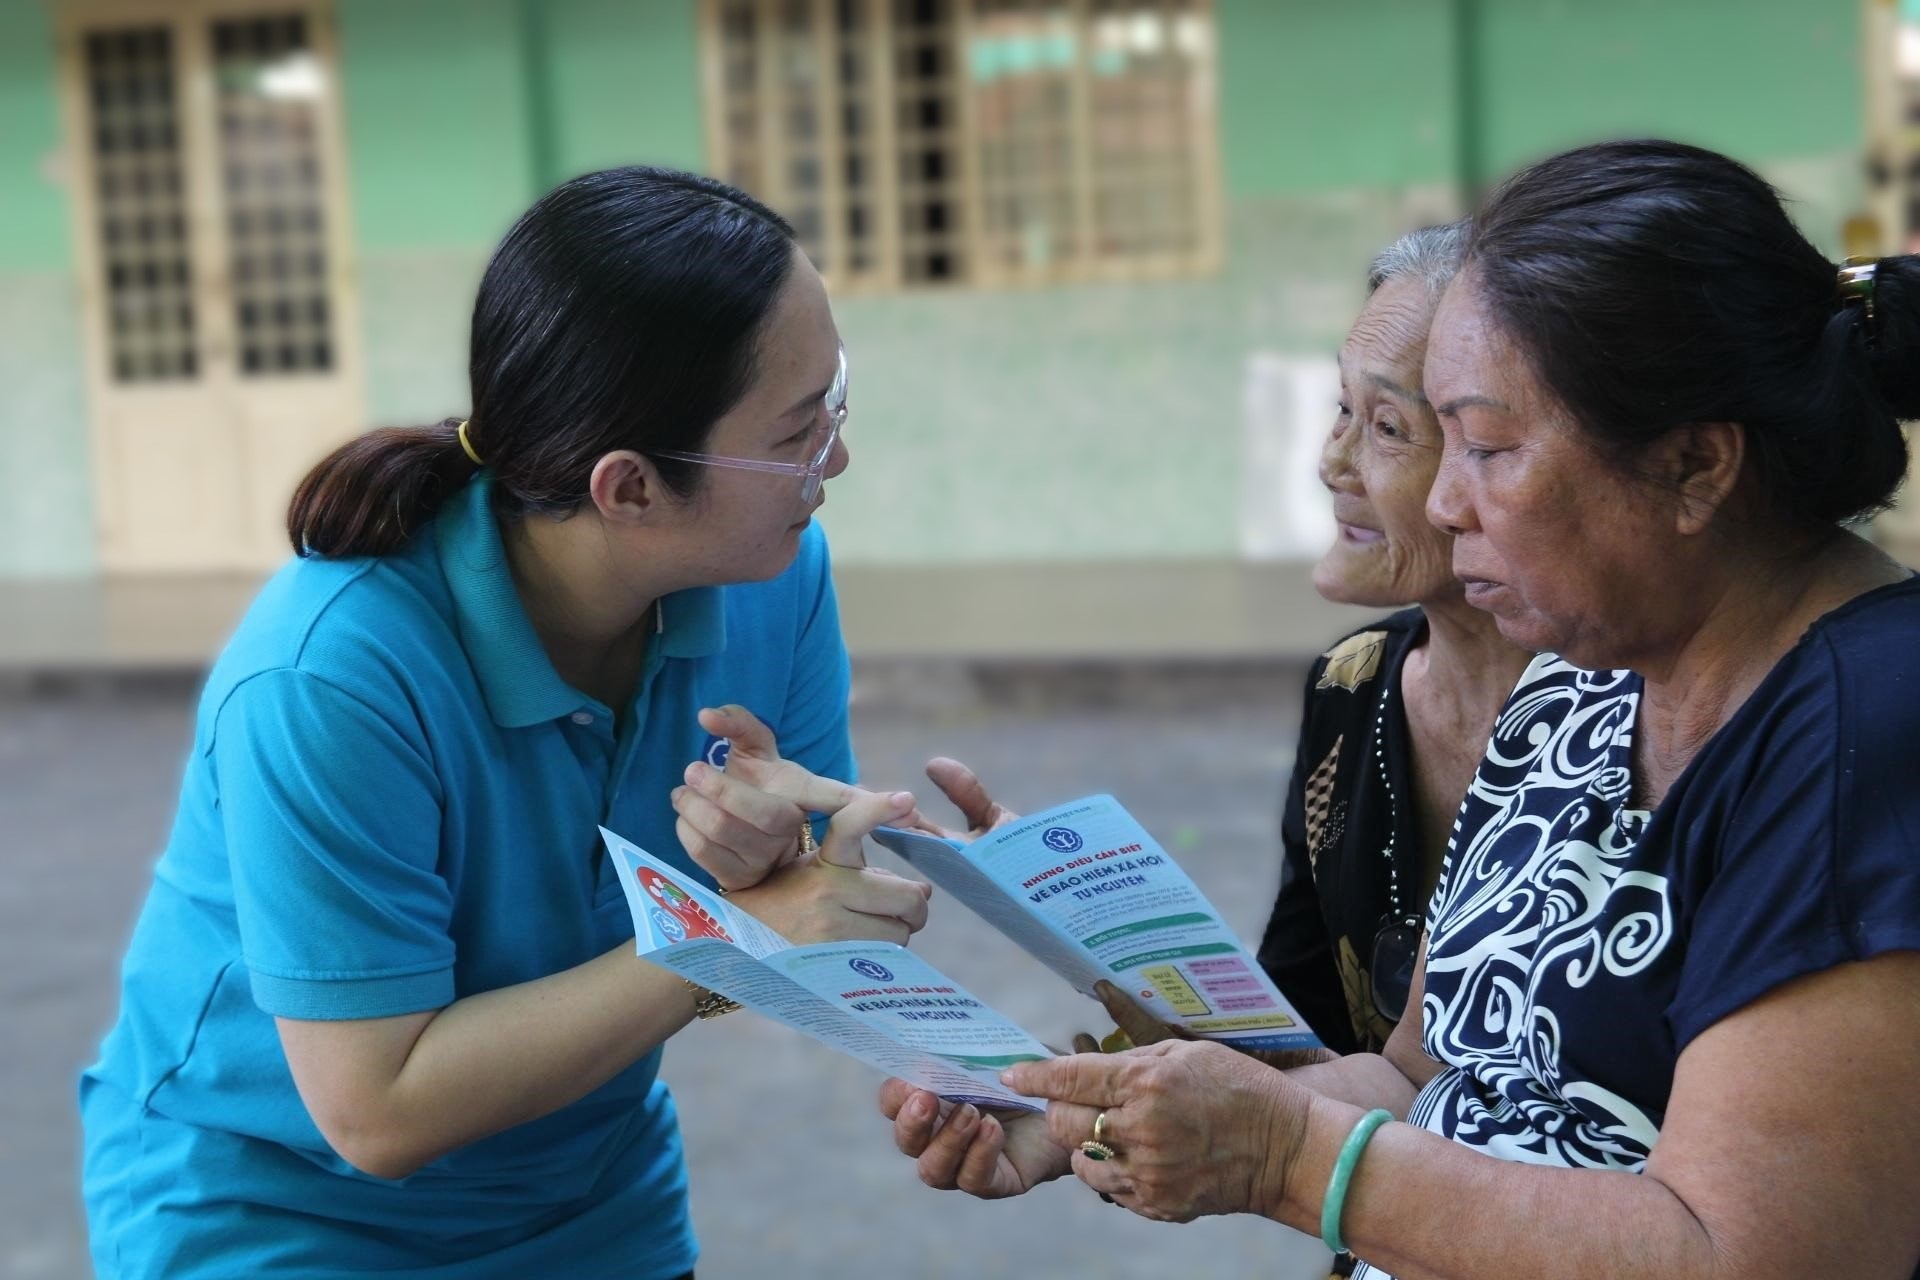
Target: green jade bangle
[[1336, 1197]]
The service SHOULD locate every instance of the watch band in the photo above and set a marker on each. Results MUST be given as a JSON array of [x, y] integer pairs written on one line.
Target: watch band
[[709, 1004]]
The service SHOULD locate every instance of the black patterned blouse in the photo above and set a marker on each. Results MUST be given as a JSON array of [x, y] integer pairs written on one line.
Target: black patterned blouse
[[1341, 941]]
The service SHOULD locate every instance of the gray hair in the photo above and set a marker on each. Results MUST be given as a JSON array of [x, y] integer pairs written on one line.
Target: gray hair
[[1431, 255]]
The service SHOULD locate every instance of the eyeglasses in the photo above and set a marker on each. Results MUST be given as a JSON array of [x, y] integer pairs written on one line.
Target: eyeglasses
[[1395, 949], [811, 472]]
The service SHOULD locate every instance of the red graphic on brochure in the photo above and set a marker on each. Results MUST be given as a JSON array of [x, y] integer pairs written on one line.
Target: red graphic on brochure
[[695, 919]]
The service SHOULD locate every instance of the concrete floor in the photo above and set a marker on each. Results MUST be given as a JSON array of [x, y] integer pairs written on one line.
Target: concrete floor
[[793, 1170]]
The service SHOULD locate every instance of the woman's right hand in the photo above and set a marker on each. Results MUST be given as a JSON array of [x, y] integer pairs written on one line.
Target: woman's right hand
[[987, 1154], [833, 895]]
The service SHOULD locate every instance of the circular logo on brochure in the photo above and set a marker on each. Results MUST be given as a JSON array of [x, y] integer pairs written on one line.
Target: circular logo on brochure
[[1062, 839], [868, 969], [668, 924]]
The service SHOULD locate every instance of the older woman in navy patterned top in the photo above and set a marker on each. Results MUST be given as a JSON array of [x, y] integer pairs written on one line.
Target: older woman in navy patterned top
[[1669, 1008]]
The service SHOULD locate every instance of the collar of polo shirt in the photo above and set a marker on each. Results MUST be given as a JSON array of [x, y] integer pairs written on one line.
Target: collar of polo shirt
[[516, 677]]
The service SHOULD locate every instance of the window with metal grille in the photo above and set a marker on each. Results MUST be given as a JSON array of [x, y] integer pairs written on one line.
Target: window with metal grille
[[268, 86], [137, 171], [937, 142]]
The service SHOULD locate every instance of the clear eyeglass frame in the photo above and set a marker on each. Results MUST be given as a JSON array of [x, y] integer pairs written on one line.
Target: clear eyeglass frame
[[811, 472]]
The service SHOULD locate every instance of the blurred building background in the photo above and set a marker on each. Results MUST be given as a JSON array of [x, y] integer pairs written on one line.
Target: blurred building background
[[1091, 258]]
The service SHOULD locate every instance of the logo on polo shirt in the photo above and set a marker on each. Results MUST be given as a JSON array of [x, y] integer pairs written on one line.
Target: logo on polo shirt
[[718, 750]]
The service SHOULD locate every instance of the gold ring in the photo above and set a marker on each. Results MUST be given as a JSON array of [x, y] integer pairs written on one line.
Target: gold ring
[[1098, 1151], [1100, 1128], [808, 847]]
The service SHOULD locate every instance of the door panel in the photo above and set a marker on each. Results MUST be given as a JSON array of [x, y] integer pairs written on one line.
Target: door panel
[[215, 272]]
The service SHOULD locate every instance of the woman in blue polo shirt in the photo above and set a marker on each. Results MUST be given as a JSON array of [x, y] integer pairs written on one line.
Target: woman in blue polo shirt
[[381, 1011]]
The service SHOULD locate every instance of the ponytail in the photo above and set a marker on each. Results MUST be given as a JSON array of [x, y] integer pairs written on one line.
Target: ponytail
[[369, 496]]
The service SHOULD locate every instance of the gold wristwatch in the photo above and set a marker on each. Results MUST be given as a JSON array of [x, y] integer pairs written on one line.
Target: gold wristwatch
[[709, 1004]]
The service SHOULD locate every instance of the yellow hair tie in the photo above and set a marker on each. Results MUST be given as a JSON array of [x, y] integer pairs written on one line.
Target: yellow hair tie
[[468, 444]]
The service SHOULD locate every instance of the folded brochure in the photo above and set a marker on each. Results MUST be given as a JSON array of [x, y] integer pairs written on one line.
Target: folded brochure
[[1082, 887], [874, 1001], [1091, 895]]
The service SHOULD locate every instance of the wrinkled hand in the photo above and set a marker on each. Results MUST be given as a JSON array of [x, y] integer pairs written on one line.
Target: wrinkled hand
[[833, 896], [1197, 1128], [969, 795], [743, 823], [991, 1155]]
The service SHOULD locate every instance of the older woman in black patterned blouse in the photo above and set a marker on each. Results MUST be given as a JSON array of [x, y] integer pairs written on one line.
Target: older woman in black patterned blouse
[[1397, 714]]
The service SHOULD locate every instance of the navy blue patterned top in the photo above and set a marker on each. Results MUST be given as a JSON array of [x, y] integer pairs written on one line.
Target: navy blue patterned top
[[1576, 945]]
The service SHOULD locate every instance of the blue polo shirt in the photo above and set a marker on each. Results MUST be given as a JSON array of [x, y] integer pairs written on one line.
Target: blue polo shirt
[[391, 804]]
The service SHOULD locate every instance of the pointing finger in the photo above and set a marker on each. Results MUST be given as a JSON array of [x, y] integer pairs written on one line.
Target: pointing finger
[[853, 823]]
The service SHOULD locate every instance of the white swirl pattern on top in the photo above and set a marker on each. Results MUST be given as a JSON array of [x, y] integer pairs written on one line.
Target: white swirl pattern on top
[[1540, 908]]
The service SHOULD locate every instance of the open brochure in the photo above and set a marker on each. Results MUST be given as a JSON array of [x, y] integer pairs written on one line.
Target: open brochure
[[871, 1000], [1088, 892]]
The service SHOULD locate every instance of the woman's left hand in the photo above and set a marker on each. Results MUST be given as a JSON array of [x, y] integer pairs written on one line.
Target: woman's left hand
[[1196, 1128], [961, 785], [743, 823]]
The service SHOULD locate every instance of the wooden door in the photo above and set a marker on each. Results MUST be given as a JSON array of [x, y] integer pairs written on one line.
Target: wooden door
[[215, 271]]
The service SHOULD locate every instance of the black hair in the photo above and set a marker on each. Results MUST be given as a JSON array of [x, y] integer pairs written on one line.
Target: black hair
[[1653, 284], [620, 312]]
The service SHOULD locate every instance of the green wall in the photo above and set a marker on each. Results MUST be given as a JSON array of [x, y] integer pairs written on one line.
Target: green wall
[[1759, 79], [436, 122], [46, 480], [1334, 94], [1322, 95], [626, 85], [1092, 423], [34, 233], [459, 114], [1081, 423], [439, 165]]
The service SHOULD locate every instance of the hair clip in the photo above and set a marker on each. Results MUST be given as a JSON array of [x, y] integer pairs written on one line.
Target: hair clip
[[1856, 282]]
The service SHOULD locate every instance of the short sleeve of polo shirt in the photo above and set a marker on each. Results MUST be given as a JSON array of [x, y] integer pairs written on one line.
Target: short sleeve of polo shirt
[[331, 814], [813, 725], [1819, 864]]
